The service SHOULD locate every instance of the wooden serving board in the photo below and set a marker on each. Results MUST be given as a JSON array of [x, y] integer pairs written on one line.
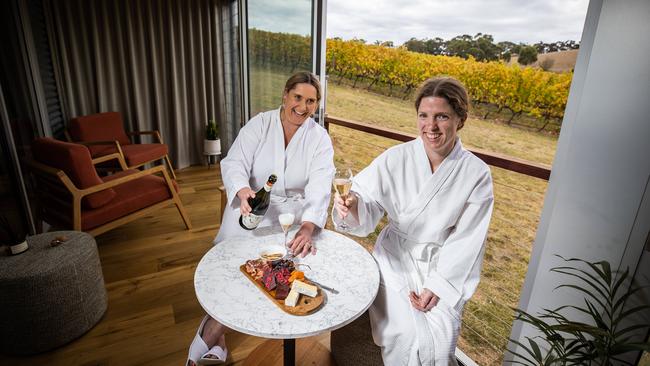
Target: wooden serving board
[[306, 305]]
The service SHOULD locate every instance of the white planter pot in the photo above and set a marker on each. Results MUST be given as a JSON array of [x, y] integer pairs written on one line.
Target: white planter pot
[[212, 147]]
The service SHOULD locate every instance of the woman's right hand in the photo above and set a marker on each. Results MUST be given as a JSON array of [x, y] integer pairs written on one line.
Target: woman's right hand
[[244, 194], [344, 208]]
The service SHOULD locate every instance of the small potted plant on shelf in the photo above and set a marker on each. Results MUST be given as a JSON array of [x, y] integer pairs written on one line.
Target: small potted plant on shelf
[[16, 241], [212, 143]]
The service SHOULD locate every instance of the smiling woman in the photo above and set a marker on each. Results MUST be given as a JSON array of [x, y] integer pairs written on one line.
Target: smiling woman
[[286, 142]]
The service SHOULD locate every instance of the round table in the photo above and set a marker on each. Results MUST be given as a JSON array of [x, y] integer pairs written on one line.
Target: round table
[[232, 299], [50, 295]]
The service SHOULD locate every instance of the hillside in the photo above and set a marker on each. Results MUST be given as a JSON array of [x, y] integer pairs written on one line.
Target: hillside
[[559, 61]]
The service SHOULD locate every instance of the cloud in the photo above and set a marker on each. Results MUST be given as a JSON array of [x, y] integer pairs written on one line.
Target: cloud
[[280, 16], [528, 21]]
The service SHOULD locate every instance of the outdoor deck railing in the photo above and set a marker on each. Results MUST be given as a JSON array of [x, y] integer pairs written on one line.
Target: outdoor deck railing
[[512, 164], [502, 161]]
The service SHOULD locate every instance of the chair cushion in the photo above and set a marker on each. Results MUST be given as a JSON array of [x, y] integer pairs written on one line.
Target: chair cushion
[[106, 126], [134, 154], [75, 161], [131, 196]]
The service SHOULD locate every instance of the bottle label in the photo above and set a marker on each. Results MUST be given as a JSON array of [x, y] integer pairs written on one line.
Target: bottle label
[[251, 221], [268, 187]]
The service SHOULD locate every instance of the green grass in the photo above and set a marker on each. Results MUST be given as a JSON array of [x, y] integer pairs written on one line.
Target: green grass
[[487, 319]]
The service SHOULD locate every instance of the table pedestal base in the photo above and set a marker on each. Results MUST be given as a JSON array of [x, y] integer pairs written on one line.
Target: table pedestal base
[[307, 352]]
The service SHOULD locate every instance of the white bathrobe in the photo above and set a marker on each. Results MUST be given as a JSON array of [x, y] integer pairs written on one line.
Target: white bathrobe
[[304, 169], [437, 225]]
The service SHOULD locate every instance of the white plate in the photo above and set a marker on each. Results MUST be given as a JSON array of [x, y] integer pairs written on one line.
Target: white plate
[[272, 249]]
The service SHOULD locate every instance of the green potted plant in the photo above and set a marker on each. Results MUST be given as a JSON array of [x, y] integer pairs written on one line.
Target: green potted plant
[[599, 341], [212, 143], [16, 241]]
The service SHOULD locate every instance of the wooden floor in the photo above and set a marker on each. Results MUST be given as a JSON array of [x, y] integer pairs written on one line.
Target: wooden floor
[[149, 268]]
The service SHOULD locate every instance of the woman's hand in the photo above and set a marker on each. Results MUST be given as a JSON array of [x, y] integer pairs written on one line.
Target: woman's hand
[[302, 243], [349, 206], [425, 301], [244, 194]]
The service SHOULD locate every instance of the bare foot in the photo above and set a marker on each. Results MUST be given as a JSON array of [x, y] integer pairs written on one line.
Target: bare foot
[[213, 332]]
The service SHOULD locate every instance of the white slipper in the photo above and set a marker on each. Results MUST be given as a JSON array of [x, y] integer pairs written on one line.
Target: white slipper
[[216, 355], [199, 352]]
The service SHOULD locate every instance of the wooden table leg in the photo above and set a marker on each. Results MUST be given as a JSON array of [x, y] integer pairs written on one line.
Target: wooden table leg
[[289, 353]]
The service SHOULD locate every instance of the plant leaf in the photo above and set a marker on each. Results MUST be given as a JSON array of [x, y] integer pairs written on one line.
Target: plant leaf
[[629, 329], [625, 296], [629, 312], [595, 282], [617, 349], [620, 281], [517, 354]]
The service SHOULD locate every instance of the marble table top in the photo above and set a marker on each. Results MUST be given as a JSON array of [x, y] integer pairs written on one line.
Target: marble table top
[[228, 296]]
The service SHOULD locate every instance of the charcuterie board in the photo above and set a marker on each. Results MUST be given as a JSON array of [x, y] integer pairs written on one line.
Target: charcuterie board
[[305, 306]]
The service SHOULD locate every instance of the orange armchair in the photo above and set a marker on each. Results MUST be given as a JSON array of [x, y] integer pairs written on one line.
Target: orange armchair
[[72, 195], [104, 134]]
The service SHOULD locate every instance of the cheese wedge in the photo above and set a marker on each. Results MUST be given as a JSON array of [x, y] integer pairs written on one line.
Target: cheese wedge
[[292, 298], [305, 289]]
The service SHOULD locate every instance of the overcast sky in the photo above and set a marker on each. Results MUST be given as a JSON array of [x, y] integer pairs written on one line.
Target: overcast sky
[[527, 21]]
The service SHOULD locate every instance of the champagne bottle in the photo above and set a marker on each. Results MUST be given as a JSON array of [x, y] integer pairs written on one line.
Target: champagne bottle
[[259, 204]]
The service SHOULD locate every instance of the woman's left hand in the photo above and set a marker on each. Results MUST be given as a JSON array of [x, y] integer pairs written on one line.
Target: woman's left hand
[[425, 301], [302, 243]]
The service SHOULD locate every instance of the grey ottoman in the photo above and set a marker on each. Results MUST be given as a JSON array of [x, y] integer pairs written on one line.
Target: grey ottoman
[[50, 295]]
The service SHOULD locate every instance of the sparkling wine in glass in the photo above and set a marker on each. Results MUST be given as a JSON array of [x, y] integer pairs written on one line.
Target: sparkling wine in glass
[[286, 220], [342, 185]]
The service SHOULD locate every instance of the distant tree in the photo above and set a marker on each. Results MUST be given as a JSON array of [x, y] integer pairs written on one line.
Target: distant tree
[[507, 49], [434, 46], [384, 43], [416, 45], [556, 46], [460, 46], [488, 50], [481, 47], [527, 55]]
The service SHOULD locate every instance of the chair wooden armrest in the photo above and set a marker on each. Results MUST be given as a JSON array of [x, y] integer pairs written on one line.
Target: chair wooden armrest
[[118, 156], [223, 198], [154, 133]]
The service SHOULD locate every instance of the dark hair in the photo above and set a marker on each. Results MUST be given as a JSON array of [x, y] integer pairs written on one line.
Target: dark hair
[[448, 88], [306, 78]]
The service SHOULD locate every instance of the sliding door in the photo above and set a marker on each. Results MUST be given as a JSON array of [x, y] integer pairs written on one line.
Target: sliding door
[[279, 38]]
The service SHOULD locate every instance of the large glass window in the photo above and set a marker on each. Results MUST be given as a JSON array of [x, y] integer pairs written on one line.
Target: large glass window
[[279, 44]]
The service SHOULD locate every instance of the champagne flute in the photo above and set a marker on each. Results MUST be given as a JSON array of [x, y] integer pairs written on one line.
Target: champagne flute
[[286, 220], [342, 185]]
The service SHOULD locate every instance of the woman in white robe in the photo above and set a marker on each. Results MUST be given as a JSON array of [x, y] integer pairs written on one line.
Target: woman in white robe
[[286, 142], [438, 199]]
